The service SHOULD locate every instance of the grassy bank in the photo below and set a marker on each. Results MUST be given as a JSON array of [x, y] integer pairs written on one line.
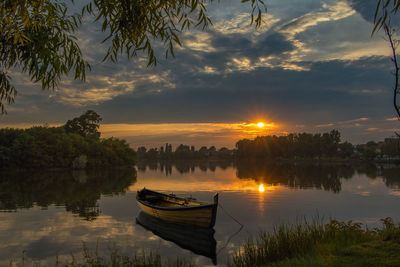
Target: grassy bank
[[301, 244], [318, 244], [92, 258]]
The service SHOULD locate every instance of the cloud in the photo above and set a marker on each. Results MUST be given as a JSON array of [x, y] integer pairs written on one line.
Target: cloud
[[325, 125], [344, 124], [338, 11], [298, 25], [198, 41], [392, 119], [331, 33], [99, 88], [367, 9], [196, 96], [241, 23]]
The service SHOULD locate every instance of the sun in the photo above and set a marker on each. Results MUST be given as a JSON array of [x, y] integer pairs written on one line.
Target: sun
[[261, 188], [260, 125]]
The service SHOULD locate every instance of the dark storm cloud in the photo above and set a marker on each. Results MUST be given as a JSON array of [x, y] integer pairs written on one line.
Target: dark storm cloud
[[274, 44], [226, 47], [233, 42], [332, 88], [367, 9]]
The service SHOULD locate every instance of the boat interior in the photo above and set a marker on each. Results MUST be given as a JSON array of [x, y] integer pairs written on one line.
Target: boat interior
[[163, 200]]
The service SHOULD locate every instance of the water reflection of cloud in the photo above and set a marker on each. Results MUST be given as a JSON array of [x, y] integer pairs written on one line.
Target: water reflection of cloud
[[366, 188], [45, 234], [395, 193], [57, 233]]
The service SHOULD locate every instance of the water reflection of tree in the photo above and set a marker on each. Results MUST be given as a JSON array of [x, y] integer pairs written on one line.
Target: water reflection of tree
[[183, 166], [300, 175], [391, 177], [318, 176], [369, 169], [390, 173], [77, 191]]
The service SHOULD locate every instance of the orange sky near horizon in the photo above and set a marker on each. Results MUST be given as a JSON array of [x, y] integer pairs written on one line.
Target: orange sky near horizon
[[197, 134], [154, 135]]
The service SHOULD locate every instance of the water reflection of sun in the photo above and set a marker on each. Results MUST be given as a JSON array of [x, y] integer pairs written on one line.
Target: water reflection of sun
[[218, 180]]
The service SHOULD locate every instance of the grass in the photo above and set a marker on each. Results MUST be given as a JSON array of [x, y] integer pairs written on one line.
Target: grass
[[91, 258], [318, 244], [302, 244]]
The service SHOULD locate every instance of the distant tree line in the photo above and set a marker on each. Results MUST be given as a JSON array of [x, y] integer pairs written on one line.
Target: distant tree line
[[77, 144], [315, 146], [184, 152], [319, 146]]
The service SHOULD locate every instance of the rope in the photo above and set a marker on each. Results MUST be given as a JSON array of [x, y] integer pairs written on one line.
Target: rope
[[234, 234], [227, 213]]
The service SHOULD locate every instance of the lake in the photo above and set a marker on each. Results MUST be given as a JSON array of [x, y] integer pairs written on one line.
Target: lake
[[49, 213]]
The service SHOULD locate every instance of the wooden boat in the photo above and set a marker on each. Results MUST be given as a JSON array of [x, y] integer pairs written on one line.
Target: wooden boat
[[197, 239], [177, 209]]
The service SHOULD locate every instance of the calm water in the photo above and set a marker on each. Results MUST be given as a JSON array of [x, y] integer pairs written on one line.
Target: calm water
[[50, 213]]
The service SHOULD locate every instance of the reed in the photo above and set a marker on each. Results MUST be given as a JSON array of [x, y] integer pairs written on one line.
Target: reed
[[92, 258], [315, 243]]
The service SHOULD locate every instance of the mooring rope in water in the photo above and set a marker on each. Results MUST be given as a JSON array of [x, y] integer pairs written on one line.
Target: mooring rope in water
[[227, 213], [234, 234]]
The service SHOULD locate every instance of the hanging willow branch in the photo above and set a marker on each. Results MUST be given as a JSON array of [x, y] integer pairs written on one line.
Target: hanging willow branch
[[36, 37], [385, 10], [393, 45]]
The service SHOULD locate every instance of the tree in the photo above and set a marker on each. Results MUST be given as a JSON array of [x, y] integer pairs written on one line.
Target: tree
[[391, 147], [36, 37], [346, 149], [384, 11], [369, 153], [86, 125], [331, 142]]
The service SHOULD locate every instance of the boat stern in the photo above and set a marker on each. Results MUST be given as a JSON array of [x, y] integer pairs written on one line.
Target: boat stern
[[214, 211]]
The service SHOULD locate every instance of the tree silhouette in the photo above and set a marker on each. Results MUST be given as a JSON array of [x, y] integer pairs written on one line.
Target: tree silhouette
[[36, 37], [383, 14], [86, 125]]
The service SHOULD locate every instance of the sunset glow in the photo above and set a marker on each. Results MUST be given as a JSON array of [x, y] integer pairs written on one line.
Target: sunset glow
[[197, 134], [261, 188]]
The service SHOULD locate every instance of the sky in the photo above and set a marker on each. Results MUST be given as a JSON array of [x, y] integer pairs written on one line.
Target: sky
[[312, 67]]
